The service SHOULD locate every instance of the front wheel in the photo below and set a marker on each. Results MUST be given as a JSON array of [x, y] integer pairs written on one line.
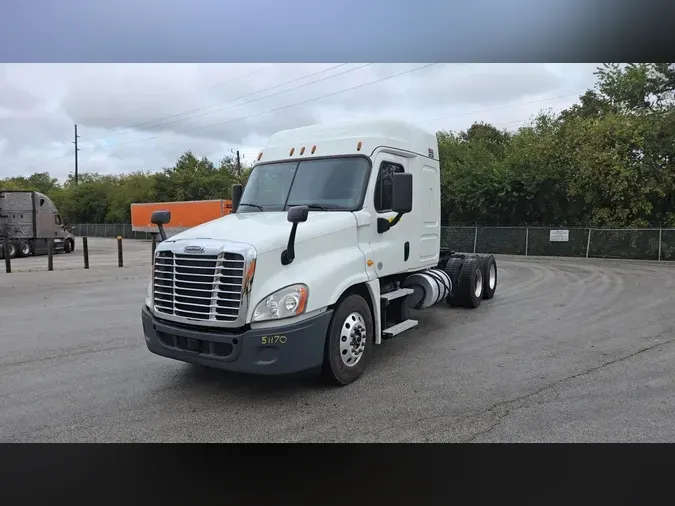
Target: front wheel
[[349, 341], [68, 246]]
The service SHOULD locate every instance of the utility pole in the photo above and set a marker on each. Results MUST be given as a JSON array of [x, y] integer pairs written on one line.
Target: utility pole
[[76, 150], [238, 165]]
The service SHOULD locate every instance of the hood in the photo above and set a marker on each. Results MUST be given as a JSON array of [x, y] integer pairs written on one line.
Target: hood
[[268, 231]]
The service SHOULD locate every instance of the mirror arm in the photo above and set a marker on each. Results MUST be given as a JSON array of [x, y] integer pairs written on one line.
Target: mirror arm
[[288, 255], [396, 219], [383, 224], [162, 234]]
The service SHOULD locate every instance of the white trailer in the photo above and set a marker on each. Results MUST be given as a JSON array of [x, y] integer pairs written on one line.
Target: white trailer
[[334, 241]]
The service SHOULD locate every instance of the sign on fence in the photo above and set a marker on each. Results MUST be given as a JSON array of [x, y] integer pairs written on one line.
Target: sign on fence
[[559, 235]]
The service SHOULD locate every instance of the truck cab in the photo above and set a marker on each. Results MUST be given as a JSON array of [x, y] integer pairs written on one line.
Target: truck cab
[[332, 243]]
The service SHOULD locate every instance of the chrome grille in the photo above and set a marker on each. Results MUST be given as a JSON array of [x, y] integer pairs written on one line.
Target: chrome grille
[[198, 287]]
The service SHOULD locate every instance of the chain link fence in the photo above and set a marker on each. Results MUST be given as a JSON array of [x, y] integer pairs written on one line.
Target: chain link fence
[[631, 243], [108, 230], [628, 243]]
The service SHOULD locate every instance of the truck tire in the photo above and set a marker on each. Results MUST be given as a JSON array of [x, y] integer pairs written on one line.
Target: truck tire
[[12, 250], [68, 246], [470, 284], [489, 267], [452, 269], [349, 341], [24, 249]]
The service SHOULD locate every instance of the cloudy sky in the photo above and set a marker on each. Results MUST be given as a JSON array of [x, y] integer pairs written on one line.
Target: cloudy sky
[[143, 116]]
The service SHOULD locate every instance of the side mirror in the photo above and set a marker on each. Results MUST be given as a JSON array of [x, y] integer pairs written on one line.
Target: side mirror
[[402, 193], [237, 191], [161, 218], [296, 214], [401, 200]]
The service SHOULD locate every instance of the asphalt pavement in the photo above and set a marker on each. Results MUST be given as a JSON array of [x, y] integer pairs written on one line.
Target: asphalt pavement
[[567, 351]]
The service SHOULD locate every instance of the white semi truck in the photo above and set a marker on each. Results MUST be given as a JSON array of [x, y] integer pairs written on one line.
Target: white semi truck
[[332, 247]]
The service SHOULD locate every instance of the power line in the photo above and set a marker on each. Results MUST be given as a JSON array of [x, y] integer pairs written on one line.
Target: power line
[[136, 125], [283, 107], [261, 91], [321, 97], [499, 108], [231, 100]]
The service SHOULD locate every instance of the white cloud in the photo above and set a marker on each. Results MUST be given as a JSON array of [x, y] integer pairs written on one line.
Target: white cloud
[[140, 116]]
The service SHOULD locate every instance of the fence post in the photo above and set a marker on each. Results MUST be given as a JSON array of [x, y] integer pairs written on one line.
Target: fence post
[[527, 239], [588, 243], [660, 236], [85, 252], [50, 254], [5, 252], [475, 238], [120, 260]]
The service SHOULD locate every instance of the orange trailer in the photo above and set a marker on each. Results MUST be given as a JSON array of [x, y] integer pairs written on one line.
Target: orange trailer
[[184, 215]]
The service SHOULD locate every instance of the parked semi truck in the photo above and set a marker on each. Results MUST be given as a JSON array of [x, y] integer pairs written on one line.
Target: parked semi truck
[[333, 246], [29, 219]]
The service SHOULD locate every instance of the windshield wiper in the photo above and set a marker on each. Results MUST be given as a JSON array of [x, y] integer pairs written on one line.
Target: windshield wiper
[[311, 206], [252, 205]]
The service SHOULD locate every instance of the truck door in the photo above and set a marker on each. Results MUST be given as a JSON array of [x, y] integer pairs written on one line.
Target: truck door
[[391, 249], [58, 223]]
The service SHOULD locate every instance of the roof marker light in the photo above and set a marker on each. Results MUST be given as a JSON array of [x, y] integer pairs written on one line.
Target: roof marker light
[[313, 149], [259, 156], [358, 146], [292, 151], [302, 150]]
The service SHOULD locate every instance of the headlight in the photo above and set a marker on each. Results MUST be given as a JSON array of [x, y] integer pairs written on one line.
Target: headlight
[[284, 303]]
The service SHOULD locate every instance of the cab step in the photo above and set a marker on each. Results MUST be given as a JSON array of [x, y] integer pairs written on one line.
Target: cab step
[[399, 328], [396, 294]]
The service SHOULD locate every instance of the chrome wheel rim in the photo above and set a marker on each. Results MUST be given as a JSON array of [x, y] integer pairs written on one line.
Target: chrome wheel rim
[[492, 280], [478, 283], [353, 339], [25, 249]]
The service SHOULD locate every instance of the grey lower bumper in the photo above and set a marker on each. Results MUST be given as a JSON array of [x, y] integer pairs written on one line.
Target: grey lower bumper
[[274, 351]]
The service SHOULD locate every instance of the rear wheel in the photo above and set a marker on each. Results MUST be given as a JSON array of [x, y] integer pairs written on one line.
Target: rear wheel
[[489, 268], [12, 250], [25, 249], [470, 283], [452, 269], [349, 341]]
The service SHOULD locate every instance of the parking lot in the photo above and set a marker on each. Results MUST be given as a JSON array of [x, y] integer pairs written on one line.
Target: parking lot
[[567, 351], [102, 253]]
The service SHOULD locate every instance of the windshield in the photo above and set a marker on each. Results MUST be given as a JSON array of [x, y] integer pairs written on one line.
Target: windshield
[[331, 184]]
